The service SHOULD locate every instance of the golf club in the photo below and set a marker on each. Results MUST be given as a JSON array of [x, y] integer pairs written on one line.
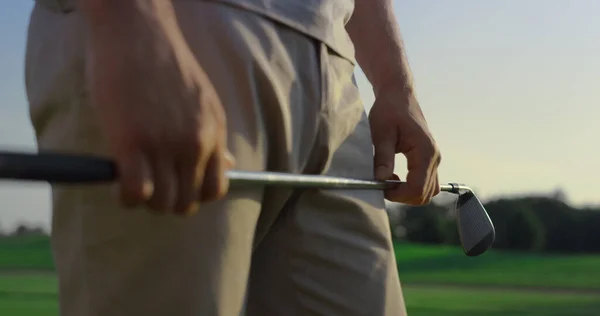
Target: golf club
[[475, 228]]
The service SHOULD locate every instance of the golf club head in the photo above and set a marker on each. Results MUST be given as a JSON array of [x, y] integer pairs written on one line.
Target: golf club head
[[475, 227]]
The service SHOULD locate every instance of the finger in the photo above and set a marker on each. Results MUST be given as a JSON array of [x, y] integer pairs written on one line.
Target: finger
[[135, 180], [216, 184], [414, 190], [429, 191], [391, 189], [434, 183], [165, 184], [385, 152], [436, 187], [190, 181]]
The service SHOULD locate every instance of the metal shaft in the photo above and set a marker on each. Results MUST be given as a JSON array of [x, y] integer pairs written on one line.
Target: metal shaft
[[237, 177]]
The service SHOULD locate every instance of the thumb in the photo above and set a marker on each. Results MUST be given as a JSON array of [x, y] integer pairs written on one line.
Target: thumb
[[385, 151]]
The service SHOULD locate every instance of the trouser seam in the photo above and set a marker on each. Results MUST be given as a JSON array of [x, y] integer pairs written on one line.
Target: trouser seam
[[318, 159]]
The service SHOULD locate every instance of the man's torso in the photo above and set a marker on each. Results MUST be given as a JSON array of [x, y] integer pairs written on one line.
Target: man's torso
[[323, 20]]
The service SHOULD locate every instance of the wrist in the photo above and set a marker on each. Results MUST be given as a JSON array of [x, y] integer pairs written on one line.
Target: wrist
[[401, 86], [392, 72]]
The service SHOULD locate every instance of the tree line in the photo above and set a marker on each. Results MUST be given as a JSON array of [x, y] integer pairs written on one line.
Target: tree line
[[24, 230], [533, 223]]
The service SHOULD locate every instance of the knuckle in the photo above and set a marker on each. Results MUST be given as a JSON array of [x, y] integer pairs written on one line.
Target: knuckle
[[431, 149], [202, 138], [193, 146], [431, 154], [438, 156], [190, 136]]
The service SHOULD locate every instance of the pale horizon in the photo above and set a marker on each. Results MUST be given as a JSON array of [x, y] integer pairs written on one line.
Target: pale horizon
[[508, 88]]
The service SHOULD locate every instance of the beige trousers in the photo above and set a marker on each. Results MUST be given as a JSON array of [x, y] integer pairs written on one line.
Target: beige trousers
[[292, 106]]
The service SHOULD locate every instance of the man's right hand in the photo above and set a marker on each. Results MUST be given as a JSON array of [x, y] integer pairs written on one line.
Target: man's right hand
[[160, 114]]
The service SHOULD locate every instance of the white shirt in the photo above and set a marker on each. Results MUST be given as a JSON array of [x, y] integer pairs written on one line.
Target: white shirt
[[323, 20]]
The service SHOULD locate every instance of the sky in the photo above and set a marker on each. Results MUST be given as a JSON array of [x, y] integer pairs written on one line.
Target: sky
[[508, 88]]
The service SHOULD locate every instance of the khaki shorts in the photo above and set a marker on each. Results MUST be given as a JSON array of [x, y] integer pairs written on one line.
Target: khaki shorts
[[292, 106]]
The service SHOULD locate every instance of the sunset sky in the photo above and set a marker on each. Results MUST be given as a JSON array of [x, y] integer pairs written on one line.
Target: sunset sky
[[509, 88]]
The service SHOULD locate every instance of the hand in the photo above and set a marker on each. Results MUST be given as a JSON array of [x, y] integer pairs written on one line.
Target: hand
[[398, 126], [160, 114]]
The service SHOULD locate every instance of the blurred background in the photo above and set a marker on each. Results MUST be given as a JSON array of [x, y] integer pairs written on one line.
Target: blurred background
[[510, 90]]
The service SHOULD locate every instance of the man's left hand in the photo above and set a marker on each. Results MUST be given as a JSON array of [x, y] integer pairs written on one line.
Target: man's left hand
[[398, 126]]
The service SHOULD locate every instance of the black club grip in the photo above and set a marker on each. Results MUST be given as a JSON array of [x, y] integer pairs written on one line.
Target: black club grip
[[56, 168]]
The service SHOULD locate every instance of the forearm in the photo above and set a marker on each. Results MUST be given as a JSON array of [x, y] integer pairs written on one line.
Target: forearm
[[379, 48]]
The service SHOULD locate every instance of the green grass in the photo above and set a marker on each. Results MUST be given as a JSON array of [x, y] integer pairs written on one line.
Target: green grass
[[437, 280], [29, 307], [438, 264], [416, 263], [26, 295], [26, 253], [25, 283], [463, 302]]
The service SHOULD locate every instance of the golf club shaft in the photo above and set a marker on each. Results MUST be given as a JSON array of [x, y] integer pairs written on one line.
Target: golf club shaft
[[58, 168], [237, 177]]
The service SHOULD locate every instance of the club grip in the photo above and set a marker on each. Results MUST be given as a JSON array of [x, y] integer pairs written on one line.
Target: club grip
[[56, 168]]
